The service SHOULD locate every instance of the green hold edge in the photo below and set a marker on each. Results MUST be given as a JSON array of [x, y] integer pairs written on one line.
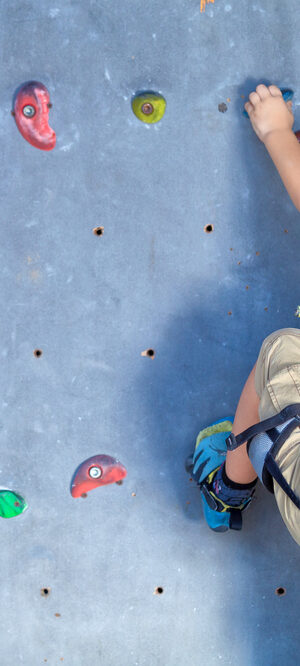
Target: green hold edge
[[158, 103], [11, 504]]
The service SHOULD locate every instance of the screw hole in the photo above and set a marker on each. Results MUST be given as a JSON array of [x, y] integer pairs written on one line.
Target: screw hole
[[147, 108], [158, 590], [38, 353], [45, 591], [119, 483], [148, 352], [222, 107], [17, 503], [208, 228], [28, 111], [98, 231], [84, 495], [280, 591]]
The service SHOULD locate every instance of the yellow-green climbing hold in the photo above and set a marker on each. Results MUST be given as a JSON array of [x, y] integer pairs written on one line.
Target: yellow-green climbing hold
[[149, 107], [222, 426]]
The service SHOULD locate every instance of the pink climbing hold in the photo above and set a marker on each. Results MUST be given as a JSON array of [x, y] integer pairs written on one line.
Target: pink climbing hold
[[31, 112], [96, 471]]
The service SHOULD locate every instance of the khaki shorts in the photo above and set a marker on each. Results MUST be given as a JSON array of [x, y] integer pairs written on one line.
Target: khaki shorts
[[277, 383]]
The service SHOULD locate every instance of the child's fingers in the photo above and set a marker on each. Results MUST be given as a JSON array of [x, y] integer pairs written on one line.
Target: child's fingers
[[275, 91], [254, 98], [263, 91], [248, 107]]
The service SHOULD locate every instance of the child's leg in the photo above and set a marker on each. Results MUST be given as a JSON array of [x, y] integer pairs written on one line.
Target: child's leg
[[238, 466], [226, 492]]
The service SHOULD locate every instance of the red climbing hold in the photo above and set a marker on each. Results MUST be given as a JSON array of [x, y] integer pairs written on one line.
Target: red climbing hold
[[96, 471], [298, 135], [31, 111]]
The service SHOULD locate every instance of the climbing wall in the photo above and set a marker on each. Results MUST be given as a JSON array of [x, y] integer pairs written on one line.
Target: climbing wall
[[142, 265]]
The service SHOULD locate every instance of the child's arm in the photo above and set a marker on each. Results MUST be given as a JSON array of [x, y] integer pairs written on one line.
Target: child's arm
[[272, 121], [284, 148]]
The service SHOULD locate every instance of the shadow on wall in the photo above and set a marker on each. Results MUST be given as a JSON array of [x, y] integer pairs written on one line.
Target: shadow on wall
[[201, 363], [196, 377], [210, 346]]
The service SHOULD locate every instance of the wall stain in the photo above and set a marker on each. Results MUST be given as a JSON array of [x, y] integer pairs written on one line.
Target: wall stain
[[152, 255]]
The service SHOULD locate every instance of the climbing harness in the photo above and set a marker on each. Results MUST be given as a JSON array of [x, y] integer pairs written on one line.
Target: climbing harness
[[265, 439]]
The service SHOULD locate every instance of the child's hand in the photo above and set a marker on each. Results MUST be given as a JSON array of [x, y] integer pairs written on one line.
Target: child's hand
[[268, 112]]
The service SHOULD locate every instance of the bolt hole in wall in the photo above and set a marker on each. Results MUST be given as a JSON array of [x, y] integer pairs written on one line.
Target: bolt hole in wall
[[280, 591], [38, 353], [98, 231], [45, 591], [158, 590], [208, 228], [148, 352]]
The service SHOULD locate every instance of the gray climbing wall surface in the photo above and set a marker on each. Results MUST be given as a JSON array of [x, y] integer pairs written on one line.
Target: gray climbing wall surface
[[154, 279]]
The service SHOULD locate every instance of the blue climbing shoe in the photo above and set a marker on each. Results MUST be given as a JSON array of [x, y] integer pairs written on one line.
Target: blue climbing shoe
[[209, 456]]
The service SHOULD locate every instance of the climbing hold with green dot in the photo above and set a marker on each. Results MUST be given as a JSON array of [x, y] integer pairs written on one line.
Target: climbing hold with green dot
[[11, 504], [149, 107]]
